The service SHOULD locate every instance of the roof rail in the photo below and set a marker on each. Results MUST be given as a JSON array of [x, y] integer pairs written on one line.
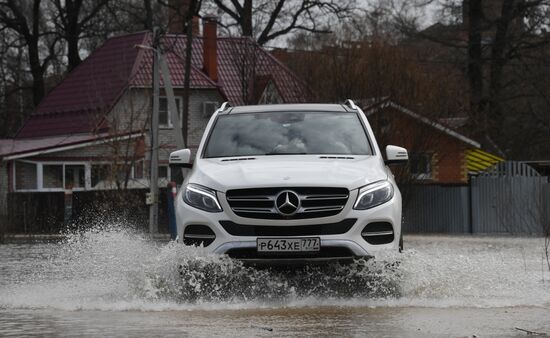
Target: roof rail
[[350, 104], [225, 105]]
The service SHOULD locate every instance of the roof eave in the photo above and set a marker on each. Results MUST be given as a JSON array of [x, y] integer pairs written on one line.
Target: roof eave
[[424, 120], [68, 146]]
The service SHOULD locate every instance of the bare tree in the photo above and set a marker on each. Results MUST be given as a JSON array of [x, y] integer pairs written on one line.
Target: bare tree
[[76, 19], [29, 20], [127, 125], [268, 20], [497, 42]]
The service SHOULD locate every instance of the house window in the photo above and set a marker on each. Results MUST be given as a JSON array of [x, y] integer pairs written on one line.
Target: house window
[[420, 166], [38, 176], [270, 94], [163, 171], [75, 176], [52, 176], [165, 120], [100, 173], [47, 176], [122, 171], [25, 176], [208, 108], [176, 174], [138, 169]]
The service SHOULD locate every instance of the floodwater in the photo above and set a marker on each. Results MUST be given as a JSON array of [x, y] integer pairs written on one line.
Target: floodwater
[[114, 282]]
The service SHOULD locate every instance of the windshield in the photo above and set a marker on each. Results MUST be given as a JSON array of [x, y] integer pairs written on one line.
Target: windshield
[[290, 133]]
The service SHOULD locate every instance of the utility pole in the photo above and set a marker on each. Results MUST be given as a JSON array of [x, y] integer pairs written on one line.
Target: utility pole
[[159, 65], [187, 66], [154, 191]]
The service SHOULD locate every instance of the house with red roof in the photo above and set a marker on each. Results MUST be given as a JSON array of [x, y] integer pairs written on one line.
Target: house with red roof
[[440, 149], [92, 130]]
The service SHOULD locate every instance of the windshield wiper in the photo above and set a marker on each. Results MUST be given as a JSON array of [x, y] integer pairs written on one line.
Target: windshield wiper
[[274, 153]]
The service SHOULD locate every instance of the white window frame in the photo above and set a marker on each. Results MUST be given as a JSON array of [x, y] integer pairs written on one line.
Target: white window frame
[[133, 174], [428, 175], [132, 171], [87, 174], [168, 172], [63, 164], [170, 125], [40, 175]]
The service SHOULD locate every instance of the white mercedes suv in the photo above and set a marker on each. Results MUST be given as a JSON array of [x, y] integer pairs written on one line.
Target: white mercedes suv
[[290, 183]]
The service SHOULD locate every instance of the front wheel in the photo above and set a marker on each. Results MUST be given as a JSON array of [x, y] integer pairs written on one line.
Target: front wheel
[[401, 243]]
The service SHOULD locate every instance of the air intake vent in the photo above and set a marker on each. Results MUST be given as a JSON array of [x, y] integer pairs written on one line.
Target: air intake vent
[[336, 157], [238, 159], [378, 233], [327, 252], [197, 235], [313, 202]]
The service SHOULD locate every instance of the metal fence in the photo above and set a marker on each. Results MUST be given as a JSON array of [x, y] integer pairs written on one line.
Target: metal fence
[[546, 207], [436, 209], [511, 198], [507, 204]]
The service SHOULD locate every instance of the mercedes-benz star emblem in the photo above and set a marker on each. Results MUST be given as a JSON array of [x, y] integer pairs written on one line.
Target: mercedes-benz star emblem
[[287, 203]]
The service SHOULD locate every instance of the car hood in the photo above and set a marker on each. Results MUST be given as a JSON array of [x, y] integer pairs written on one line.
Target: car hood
[[288, 171]]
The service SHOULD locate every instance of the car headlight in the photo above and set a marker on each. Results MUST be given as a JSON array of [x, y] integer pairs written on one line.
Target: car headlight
[[373, 195], [201, 198]]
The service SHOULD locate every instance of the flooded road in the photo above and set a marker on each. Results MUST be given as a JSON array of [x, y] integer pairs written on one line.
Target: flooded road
[[116, 283]]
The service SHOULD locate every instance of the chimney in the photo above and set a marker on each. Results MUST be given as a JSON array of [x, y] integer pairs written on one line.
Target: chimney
[[196, 26], [210, 46], [177, 14]]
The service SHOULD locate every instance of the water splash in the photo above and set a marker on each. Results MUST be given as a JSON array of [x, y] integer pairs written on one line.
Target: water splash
[[113, 268]]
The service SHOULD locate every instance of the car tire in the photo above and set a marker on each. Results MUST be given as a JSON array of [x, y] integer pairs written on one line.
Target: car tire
[[401, 243]]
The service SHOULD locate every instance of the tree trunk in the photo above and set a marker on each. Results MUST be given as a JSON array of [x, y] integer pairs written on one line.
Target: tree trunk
[[36, 70], [148, 15], [187, 75], [246, 23], [73, 54], [475, 61], [498, 61], [72, 32]]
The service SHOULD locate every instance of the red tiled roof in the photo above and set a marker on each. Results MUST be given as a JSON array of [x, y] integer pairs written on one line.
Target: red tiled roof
[[232, 56], [142, 76], [86, 94], [235, 56]]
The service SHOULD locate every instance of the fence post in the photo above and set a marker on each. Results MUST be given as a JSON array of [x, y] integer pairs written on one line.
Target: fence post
[[470, 204], [68, 206], [171, 205]]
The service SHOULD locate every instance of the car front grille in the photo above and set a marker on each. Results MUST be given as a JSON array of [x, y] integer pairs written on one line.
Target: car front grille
[[314, 202], [289, 230]]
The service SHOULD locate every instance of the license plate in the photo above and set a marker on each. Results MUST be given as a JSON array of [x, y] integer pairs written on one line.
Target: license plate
[[288, 244]]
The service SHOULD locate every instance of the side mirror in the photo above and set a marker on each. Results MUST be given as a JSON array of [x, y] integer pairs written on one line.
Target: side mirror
[[180, 158], [396, 155]]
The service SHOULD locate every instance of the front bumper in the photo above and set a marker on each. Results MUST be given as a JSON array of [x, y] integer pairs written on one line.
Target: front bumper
[[349, 244]]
